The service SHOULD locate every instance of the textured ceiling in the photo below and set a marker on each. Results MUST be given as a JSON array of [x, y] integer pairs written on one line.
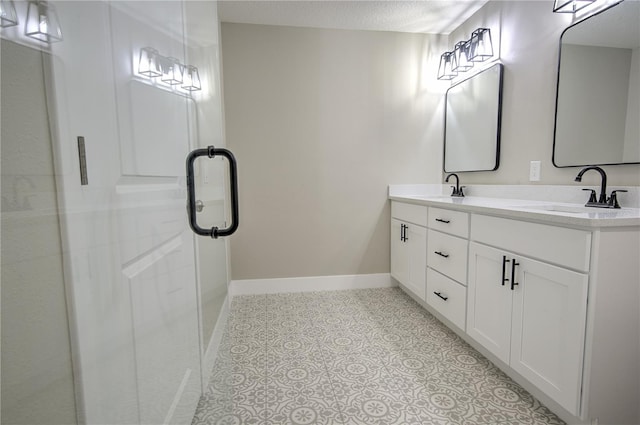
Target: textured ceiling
[[427, 16]]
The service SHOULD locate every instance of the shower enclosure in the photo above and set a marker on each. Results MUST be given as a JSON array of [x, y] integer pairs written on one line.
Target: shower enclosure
[[112, 310]]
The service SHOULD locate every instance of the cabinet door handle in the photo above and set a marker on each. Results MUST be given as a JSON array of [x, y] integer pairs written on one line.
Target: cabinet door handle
[[441, 296], [441, 254], [504, 269], [443, 221], [403, 232], [513, 273]]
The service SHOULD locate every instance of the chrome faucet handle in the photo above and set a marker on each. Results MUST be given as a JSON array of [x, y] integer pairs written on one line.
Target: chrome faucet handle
[[592, 197], [613, 201]]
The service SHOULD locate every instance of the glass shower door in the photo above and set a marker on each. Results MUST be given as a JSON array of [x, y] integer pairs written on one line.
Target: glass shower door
[[37, 368], [136, 294]]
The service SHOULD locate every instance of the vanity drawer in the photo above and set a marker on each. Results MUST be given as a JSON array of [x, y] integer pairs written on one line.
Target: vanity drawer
[[416, 214], [448, 255], [447, 297], [559, 245], [449, 221]]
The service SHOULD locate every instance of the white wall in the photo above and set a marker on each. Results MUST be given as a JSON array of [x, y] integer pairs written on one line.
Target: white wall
[[295, 97], [321, 121], [528, 39]]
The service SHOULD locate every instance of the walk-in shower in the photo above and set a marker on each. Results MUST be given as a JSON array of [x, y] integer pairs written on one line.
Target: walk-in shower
[[111, 309]]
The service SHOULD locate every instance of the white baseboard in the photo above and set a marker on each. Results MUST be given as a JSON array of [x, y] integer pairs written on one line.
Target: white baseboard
[[211, 352], [309, 284]]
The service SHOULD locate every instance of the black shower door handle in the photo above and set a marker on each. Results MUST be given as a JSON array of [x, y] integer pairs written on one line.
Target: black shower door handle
[[212, 152]]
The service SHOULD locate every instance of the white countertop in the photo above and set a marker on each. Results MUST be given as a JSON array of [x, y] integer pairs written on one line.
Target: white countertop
[[534, 210]]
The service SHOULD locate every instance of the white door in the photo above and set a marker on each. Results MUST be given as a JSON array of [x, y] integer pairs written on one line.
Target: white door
[[129, 254], [549, 313], [489, 301]]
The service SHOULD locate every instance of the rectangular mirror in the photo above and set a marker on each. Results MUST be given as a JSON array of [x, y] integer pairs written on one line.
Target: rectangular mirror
[[597, 118], [473, 110]]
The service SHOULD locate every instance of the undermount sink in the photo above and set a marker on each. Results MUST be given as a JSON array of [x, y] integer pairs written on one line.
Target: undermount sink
[[432, 196], [564, 208]]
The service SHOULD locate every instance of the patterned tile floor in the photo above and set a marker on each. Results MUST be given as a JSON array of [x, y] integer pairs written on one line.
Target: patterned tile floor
[[369, 356]]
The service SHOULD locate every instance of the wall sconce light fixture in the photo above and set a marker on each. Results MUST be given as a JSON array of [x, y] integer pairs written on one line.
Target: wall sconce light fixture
[[8, 16], [570, 6], [171, 71], [153, 65], [446, 70], [461, 53], [149, 64], [477, 49], [481, 47], [191, 78], [42, 22]]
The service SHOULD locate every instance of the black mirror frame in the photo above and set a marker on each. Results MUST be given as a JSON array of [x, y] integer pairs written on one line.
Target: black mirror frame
[[499, 121], [555, 118]]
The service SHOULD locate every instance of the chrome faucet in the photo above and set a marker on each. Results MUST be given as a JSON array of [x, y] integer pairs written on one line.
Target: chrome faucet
[[602, 201], [457, 189]]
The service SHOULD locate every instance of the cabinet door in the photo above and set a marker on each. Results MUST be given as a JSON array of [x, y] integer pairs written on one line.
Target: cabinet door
[[549, 314], [399, 257], [489, 301], [417, 254]]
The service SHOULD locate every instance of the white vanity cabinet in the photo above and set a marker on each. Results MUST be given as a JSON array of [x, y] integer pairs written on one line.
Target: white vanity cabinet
[[536, 326], [552, 298], [447, 248], [409, 246], [531, 314]]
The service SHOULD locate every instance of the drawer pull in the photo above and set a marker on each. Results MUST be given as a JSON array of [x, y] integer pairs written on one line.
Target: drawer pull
[[443, 221], [504, 269], [441, 296], [513, 273], [403, 232], [441, 254]]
